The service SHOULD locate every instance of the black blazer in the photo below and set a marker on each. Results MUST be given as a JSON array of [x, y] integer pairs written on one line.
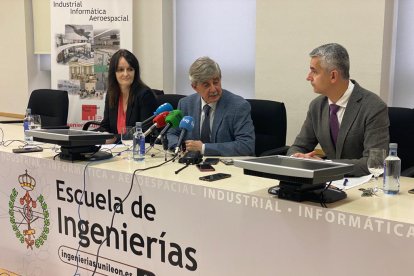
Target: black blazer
[[143, 106]]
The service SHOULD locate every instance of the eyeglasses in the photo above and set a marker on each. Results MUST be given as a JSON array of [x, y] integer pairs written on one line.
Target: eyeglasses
[[128, 70]]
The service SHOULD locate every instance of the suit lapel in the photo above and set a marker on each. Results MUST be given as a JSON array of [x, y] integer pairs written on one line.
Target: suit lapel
[[218, 116], [197, 117], [351, 112], [113, 116], [130, 107]]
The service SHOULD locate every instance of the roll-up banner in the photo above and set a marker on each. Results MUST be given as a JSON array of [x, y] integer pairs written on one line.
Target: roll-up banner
[[84, 36]]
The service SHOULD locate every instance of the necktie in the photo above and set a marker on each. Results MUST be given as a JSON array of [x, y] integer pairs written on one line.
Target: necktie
[[205, 128], [333, 122]]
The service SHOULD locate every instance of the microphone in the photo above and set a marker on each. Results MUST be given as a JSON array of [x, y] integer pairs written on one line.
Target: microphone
[[162, 108], [159, 121], [173, 120], [186, 124]]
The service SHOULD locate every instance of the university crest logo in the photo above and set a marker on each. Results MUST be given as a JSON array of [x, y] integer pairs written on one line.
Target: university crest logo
[[29, 217]]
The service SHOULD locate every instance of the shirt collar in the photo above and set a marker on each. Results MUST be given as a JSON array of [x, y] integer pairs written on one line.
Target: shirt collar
[[212, 105], [343, 101]]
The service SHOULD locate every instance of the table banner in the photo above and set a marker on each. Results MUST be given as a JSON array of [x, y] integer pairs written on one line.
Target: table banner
[[55, 215]]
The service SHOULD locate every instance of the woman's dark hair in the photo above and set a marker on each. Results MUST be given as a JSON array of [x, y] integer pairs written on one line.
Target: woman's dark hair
[[113, 86]]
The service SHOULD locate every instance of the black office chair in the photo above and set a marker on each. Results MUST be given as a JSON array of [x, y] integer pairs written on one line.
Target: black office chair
[[402, 132], [52, 106], [158, 92], [169, 98], [270, 125]]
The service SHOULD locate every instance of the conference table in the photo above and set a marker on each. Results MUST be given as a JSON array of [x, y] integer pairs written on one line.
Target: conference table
[[120, 217]]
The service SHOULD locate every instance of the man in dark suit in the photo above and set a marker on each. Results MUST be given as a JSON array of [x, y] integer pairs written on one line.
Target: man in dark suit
[[223, 125], [346, 119]]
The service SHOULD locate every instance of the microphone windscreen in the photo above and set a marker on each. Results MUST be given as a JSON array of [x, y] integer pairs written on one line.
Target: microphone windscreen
[[187, 123], [162, 108], [174, 118], [160, 119]]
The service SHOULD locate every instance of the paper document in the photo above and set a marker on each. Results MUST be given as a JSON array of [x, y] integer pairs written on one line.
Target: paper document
[[112, 146], [351, 182]]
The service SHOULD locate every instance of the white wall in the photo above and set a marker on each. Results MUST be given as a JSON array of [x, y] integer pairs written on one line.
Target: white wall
[[13, 58], [224, 30], [288, 30], [148, 40], [38, 66], [19, 68], [404, 56]]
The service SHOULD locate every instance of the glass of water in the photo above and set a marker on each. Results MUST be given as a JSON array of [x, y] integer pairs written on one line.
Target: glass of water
[[36, 122], [126, 138], [375, 164]]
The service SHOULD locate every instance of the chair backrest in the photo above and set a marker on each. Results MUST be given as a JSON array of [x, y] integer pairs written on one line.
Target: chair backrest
[[52, 106], [402, 132], [270, 124], [169, 98], [158, 92]]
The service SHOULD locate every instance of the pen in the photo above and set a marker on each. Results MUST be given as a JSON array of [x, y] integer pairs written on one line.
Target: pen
[[345, 181]]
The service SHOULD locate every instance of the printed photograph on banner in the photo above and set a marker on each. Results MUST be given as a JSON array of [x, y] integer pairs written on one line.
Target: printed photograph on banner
[[87, 53], [72, 86], [75, 44], [106, 43]]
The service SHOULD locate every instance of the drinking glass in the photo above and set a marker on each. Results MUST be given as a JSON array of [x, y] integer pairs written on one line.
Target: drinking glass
[[127, 135], [375, 164], [36, 122]]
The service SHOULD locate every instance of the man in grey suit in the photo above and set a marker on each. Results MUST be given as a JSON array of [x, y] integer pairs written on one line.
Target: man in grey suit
[[222, 121], [346, 119]]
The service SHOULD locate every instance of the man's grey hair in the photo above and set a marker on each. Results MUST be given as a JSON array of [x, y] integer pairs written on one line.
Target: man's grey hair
[[204, 69], [333, 56]]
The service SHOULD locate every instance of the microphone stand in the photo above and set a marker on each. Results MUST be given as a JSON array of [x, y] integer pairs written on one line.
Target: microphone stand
[[164, 142], [187, 163], [151, 139], [179, 170]]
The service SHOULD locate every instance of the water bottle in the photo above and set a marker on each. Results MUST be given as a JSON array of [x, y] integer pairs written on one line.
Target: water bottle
[[27, 122], [138, 148], [392, 171]]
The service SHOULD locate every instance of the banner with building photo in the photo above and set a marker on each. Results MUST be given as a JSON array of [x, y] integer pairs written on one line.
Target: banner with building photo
[[84, 36]]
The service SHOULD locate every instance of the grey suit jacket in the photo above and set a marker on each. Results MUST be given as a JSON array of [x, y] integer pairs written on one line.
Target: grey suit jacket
[[232, 133], [364, 125]]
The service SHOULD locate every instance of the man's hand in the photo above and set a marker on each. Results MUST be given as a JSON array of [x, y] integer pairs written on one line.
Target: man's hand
[[309, 155], [193, 145]]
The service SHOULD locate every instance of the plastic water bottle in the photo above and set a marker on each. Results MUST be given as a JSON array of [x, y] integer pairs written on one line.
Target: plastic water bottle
[[27, 122], [138, 147], [392, 171]]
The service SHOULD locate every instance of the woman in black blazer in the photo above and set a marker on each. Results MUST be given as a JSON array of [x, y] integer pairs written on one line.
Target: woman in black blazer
[[128, 99]]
